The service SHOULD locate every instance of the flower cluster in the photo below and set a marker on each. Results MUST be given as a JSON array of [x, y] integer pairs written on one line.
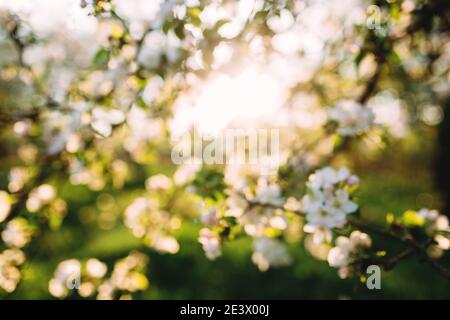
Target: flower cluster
[[127, 277], [142, 129], [259, 220], [347, 251], [10, 261], [84, 174], [18, 177], [268, 193], [60, 128], [147, 221], [269, 252], [104, 120], [44, 199], [259, 212], [138, 77], [74, 275], [17, 233], [328, 202], [211, 244], [88, 278], [158, 182], [436, 226], [351, 117], [40, 197]]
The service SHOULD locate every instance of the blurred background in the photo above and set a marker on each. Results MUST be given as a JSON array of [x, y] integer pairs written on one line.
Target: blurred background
[[226, 64]]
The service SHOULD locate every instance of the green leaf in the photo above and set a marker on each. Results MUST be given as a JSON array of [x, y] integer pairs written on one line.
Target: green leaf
[[167, 25], [338, 141], [230, 220], [196, 21], [179, 30], [220, 23], [102, 57]]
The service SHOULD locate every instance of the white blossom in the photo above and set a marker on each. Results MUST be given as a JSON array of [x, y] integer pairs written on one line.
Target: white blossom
[[103, 120], [95, 268], [10, 261], [18, 177], [72, 274], [436, 226], [40, 197], [268, 193], [156, 45], [360, 239], [319, 235], [292, 204], [327, 202], [127, 276], [269, 252], [427, 214], [258, 219], [143, 128], [236, 205], [265, 211], [58, 127], [210, 242], [346, 251], [67, 275], [352, 118], [443, 242], [185, 173], [147, 221], [152, 89], [339, 256], [17, 233], [158, 182]]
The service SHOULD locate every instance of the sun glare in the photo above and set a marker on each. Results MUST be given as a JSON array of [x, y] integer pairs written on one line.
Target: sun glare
[[246, 97]]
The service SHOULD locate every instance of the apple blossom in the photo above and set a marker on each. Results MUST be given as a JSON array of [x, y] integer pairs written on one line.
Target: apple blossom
[[327, 202], [352, 118], [153, 225], [103, 120], [10, 261], [90, 115], [17, 233], [347, 251], [210, 243], [269, 252]]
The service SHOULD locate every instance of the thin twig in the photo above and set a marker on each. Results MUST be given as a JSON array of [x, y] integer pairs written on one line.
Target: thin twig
[[408, 240]]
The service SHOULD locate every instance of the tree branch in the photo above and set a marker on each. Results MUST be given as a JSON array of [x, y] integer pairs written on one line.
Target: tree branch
[[413, 247]]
